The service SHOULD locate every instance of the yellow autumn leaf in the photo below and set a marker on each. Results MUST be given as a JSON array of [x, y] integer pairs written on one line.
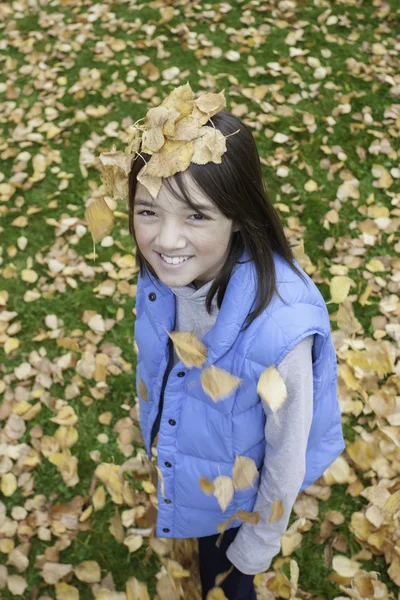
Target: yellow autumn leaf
[[346, 318], [173, 157], [339, 288], [190, 350], [88, 571], [8, 484], [136, 590], [133, 542], [277, 510], [363, 300], [153, 138], [180, 99], [29, 275], [11, 344], [211, 103], [311, 186], [216, 593], [218, 383], [209, 146], [220, 578], [167, 13], [151, 182], [346, 567], [161, 478], [272, 388], [65, 416], [223, 490], [64, 591], [375, 266], [244, 472], [20, 221], [392, 505], [99, 498], [100, 219]]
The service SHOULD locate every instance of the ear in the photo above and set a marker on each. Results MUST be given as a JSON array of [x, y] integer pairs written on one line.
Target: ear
[[236, 228]]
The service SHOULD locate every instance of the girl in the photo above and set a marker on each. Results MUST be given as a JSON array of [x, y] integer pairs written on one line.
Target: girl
[[213, 260]]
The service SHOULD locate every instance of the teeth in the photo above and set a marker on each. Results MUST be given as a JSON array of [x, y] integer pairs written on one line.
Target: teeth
[[173, 261]]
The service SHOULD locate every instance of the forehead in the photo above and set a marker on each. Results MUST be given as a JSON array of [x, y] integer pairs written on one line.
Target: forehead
[[166, 198]]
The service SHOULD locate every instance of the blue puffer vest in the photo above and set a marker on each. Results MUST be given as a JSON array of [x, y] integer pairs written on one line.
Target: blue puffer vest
[[199, 437]]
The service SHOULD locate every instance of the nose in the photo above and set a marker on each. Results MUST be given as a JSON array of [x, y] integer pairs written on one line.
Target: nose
[[170, 238]]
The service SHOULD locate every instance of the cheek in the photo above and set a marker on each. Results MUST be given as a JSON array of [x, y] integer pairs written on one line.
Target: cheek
[[142, 234]]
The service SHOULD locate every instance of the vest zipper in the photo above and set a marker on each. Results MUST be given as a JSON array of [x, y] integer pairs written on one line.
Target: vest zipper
[[156, 424]]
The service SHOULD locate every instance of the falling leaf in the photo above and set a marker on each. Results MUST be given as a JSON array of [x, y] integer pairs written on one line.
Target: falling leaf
[[244, 472], [223, 490], [272, 389], [218, 383], [190, 350], [277, 510], [100, 219], [206, 485]]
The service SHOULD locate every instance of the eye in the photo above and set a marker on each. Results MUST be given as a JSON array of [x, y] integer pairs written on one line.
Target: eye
[[194, 215]]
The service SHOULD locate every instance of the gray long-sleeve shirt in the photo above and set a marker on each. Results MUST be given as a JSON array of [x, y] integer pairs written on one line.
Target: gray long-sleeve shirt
[[283, 469]]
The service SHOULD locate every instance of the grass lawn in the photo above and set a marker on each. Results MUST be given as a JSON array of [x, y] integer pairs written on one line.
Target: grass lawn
[[74, 76]]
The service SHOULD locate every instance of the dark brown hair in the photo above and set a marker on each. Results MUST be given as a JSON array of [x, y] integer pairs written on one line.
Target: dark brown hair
[[237, 188]]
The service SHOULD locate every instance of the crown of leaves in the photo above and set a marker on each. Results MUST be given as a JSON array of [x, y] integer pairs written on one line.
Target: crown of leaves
[[175, 135]]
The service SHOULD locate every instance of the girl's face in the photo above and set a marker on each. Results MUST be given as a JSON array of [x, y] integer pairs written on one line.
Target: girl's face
[[167, 226]]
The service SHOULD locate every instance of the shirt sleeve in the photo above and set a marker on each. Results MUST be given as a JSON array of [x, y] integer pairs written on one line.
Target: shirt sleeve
[[284, 467]]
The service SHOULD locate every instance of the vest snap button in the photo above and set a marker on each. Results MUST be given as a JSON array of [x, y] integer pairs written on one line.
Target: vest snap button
[[172, 422], [167, 464], [167, 501], [152, 296], [181, 374], [166, 529]]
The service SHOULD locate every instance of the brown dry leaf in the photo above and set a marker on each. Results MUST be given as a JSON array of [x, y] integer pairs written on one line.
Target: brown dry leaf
[[116, 529], [242, 515], [277, 510], [100, 219], [190, 350], [206, 485], [218, 383], [143, 390]]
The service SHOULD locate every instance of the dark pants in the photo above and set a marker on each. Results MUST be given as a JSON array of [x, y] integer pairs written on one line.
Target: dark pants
[[213, 561]]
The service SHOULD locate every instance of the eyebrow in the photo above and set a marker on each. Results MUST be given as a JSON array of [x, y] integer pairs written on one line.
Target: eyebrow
[[198, 205]]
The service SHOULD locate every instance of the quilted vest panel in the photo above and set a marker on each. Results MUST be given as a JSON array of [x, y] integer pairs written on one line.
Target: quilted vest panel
[[199, 437]]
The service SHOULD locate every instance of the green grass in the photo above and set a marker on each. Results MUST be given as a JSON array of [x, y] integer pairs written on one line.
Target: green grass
[[97, 543]]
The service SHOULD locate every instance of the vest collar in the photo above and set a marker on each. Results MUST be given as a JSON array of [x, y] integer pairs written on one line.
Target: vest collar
[[237, 303]]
